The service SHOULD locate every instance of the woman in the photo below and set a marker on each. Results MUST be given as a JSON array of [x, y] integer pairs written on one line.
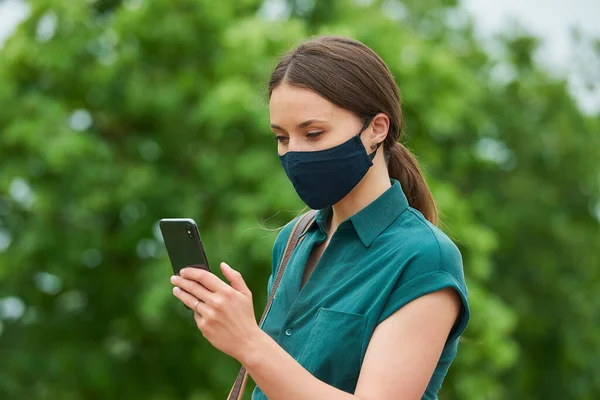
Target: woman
[[373, 300]]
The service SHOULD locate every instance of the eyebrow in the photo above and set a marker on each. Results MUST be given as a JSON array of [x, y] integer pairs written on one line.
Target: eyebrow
[[300, 125]]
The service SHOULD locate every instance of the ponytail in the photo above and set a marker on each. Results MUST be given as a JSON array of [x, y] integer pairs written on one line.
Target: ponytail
[[404, 167]]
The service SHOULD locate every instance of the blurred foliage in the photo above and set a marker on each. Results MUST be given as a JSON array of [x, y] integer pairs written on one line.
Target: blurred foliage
[[114, 114]]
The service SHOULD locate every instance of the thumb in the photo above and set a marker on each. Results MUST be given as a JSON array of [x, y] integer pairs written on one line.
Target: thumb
[[235, 278]]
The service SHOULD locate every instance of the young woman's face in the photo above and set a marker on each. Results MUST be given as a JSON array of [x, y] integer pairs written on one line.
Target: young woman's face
[[304, 121]]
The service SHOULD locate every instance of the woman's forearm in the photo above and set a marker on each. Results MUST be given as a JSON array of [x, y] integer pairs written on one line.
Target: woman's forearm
[[280, 377]]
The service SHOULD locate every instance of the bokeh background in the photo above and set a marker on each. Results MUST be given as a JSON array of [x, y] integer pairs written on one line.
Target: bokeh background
[[114, 114]]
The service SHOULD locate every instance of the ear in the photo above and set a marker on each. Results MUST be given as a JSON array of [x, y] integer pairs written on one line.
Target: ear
[[380, 127]]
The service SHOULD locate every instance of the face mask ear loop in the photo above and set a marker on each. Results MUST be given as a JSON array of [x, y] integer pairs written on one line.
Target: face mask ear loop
[[372, 155], [367, 123], [365, 126]]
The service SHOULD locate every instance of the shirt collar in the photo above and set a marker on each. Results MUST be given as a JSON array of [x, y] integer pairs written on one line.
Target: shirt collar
[[373, 219]]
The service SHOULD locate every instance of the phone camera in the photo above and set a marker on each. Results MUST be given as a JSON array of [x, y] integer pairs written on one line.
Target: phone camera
[[189, 232]]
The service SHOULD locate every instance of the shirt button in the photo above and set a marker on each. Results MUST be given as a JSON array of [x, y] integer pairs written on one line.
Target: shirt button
[[288, 332]]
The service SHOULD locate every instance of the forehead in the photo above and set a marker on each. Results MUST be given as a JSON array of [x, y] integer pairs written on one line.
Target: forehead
[[290, 103]]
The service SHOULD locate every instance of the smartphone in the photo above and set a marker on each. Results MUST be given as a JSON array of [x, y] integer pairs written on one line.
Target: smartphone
[[183, 243]]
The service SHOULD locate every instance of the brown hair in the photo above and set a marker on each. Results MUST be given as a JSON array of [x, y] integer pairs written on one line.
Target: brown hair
[[352, 76]]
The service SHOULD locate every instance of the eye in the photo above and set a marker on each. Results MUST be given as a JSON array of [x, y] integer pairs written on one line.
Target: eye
[[313, 135], [281, 138]]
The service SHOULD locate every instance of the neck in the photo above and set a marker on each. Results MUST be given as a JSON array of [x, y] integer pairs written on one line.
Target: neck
[[373, 185]]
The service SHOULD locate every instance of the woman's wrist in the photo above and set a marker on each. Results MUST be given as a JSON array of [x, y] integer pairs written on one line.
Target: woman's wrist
[[254, 349]]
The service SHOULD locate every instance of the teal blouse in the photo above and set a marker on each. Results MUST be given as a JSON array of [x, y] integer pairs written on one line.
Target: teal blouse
[[378, 260]]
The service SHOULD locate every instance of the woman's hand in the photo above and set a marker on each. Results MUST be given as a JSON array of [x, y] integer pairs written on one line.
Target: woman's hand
[[224, 314]]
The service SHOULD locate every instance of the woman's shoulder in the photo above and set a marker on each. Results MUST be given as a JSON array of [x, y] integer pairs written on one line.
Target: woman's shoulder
[[423, 260], [425, 244]]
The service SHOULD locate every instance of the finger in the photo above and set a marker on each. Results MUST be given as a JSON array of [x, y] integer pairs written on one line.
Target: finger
[[185, 297], [205, 278], [200, 310], [192, 287], [236, 279]]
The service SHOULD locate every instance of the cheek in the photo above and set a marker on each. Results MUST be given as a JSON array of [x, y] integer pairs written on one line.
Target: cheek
[[333, 139], [281, 148]]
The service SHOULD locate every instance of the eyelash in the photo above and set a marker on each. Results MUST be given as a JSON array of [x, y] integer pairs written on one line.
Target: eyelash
[[310, 135]]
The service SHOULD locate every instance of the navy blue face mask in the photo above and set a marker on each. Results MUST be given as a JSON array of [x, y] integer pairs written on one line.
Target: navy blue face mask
[[324, 177]]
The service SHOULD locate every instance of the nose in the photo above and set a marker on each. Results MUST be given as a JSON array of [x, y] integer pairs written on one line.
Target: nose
[[292, 146], [297, 144]]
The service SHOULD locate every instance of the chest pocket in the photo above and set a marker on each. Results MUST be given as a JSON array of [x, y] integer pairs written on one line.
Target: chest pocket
[[333, 351]]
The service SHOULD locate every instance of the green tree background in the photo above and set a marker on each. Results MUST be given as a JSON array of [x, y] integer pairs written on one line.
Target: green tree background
[[130, 111]]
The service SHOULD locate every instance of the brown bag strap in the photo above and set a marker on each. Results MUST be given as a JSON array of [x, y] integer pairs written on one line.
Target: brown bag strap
[[237, 391]]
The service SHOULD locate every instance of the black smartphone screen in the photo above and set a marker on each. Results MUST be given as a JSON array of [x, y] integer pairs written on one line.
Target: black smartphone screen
[[183, 243]]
